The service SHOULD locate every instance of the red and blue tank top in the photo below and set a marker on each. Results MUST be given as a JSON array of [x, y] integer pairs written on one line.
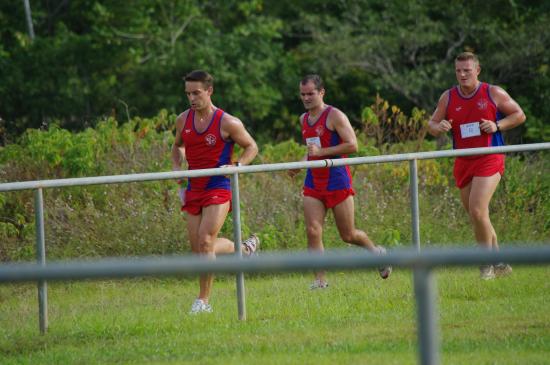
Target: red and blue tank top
[[324, 179], [466, 114], [206, 149]]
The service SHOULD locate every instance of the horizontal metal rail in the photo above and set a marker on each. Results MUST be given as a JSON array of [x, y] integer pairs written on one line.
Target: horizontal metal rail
[[350, 259], [421, 263], [116, 179]]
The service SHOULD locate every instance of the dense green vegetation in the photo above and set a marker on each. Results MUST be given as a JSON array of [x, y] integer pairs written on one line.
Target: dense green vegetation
[[97, 91], [94, 59], [143, 218]]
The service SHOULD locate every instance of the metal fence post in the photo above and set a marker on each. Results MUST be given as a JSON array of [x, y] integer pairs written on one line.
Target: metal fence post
[[415, 215], [41, 259], [236, 207], [426, 308]]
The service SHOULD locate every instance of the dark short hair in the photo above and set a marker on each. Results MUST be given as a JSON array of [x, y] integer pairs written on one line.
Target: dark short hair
[[316, 79], [200, 76], [466, 56]]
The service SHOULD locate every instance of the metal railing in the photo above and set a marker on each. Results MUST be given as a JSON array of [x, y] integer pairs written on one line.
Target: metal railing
[[423, 278], [422, 264]]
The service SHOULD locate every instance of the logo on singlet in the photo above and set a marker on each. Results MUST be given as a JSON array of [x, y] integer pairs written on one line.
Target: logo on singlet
[[482, 104], [210, 139], [319, 130]]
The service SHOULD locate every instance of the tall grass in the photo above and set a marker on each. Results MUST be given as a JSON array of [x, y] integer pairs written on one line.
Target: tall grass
[[144, 218]]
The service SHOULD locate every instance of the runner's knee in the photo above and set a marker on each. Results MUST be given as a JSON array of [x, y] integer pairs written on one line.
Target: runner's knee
[[314, 231], [478, 214], [206, 243], [348, 236]]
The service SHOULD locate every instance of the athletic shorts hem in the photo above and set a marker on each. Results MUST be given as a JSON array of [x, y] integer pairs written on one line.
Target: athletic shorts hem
[[196, 200], [466, 169], [330, 199]]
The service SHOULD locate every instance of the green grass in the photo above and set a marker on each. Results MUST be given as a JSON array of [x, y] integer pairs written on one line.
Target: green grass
[[360, 319]]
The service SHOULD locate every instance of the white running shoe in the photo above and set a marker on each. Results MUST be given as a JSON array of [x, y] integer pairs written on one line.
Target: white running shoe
[[252, 244], [199, 306], [384, 271], [318, 284], [502, 269], [486, 272]]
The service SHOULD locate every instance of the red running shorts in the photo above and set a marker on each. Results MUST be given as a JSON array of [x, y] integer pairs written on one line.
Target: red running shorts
[[329, 198], [196, 200], [487, 165]]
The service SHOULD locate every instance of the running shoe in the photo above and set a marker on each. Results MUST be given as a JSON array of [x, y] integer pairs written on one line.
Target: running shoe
[[199, 306], [486, 272], [318, 284], [252, 244], [384, 271], [502, 269]]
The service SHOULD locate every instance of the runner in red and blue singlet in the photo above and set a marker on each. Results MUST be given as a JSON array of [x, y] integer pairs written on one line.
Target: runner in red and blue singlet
[[205, 137], [475, 113], [333, 184], [466, 114], [205, 149], [328, 134]]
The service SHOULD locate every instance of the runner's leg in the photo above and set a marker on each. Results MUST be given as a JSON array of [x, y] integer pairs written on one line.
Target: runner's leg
[[314, 214]]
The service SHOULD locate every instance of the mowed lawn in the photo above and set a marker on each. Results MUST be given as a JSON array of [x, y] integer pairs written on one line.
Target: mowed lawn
[[359, 319]]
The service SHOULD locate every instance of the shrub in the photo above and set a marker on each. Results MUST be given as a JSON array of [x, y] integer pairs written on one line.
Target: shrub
[[144, 218], [389, 125]]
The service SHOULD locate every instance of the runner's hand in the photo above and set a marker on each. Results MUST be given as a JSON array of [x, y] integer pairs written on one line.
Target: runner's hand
[[236, 164], [445, 125], [181, 194], [313, 150], [292, 173], [488, 126]]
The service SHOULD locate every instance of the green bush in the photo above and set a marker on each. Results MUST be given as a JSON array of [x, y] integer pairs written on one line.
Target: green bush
[[286, 151], [144, 218], [388, 126]]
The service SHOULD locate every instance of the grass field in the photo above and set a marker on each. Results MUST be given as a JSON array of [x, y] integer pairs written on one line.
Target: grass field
[[360, 319]]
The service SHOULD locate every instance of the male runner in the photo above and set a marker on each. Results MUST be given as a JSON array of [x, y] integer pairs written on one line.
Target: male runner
[[476, 113], [205, 136]]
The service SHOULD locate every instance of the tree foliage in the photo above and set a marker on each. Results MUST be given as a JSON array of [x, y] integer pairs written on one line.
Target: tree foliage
[[94, 59]]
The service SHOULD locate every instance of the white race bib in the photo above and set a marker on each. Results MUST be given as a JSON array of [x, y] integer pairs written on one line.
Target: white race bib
[[470, 130], [314, 140]]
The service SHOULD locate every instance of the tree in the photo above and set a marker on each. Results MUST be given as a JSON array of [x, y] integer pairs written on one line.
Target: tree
[[407, 48]]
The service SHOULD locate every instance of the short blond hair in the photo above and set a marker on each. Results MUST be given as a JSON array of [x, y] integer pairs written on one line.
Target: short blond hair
[[466, 56]]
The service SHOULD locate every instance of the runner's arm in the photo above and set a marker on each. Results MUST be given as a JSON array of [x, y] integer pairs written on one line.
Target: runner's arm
[[340, 122], [509, 107], [438, 124], [178, 150], [237, 132]]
